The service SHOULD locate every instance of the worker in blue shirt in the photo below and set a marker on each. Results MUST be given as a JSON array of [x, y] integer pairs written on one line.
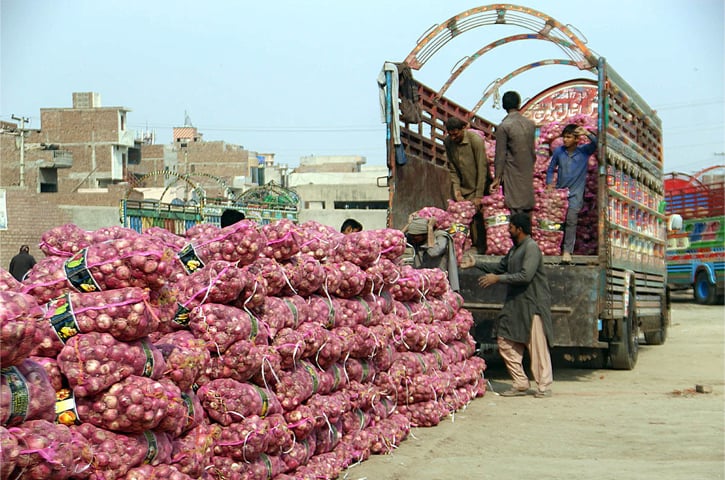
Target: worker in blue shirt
[[570, 162]]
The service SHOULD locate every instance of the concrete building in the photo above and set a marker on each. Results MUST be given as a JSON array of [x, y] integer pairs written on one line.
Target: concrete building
[[333, 188]]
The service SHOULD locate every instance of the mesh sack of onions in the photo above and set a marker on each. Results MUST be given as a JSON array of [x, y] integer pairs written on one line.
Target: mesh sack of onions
[[389, 432], [443, 218], [168, 239], [55, 376], [270, 272], [241, 243], [220, 326], [115, 453], [305, 275], [227, 401], [94, 361], [19, 314], [361, 248], [8, 282], [216, 282], [64, 240], [192, 451], [281, 312], [185, 355], [132, 405], [245, 440], [343, 279], [25, 394], [125, 313], [496, 218], [46, 280], [150, 472], [410, 285], [281, 240], [46, 451], [548, 220], [316, 239], [9, 452]]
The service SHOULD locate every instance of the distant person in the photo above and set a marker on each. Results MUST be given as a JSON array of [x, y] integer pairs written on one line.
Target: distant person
[[230, 217], [570, 162], [525, 319], [433, 247], [351, 226], [21, 263], [468, 170], [515, 157]]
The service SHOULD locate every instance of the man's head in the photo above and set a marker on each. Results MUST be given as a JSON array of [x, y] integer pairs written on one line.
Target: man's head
[[350, 226], [519, 226], [455, 128], [511, 101], [24, 249], [230, 217], [417, 231], [569, 136]]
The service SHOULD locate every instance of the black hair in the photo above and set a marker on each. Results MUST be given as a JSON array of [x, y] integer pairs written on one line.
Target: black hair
[[24, 249], [351, 223], [522, 221], [230, 217], [569, 129], [511, 101], [454, 123]]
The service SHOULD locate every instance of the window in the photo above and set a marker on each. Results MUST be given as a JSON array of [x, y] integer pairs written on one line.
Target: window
[[369, 205], [48, 180], [315, 205]]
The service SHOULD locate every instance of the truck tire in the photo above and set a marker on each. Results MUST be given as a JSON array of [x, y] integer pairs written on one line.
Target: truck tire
[[704, 292], [659, 337], [623, 351]]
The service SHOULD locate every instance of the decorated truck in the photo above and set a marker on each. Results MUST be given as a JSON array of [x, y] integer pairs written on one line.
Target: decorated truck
[[696, 246], [263, 204], [615, 290]]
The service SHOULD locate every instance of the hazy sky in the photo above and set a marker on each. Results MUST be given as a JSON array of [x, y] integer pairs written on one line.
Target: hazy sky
[[297, 78]]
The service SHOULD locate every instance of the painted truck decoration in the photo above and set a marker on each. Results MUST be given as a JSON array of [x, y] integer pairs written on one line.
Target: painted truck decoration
[[615, 291], [263, 204], [696, 251]]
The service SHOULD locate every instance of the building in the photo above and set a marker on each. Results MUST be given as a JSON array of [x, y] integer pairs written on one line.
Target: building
[[333, 188]]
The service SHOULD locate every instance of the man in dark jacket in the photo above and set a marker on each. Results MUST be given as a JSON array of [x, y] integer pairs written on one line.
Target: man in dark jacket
[[515, 156], [525, 320], [21, 263], [468, 170]]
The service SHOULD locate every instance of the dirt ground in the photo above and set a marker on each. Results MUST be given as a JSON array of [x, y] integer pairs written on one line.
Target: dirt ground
[[648, 423]]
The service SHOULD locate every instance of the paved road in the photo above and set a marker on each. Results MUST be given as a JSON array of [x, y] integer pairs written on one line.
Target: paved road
[[648, 423]]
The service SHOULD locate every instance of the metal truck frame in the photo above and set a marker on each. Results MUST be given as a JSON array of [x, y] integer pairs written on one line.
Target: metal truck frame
[[602, 302]]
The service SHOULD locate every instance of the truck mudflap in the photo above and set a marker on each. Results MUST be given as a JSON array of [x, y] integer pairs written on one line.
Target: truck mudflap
[[574, 309]]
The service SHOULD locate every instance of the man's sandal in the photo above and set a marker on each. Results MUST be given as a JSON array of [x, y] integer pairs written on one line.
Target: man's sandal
[[544, 394], [514, 393]]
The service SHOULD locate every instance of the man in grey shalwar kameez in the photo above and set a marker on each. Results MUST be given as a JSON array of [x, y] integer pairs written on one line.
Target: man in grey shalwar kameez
[[525, 320], [515, 157]]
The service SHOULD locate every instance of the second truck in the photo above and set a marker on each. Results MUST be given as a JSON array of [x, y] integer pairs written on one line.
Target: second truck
[[615, 294]]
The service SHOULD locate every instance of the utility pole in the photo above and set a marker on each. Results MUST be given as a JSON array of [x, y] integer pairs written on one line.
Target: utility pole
[[22, 121]]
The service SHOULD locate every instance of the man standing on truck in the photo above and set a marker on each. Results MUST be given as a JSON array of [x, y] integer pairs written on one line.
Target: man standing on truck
[[468, 168], [515, 157], [570, 162], [525, 320]]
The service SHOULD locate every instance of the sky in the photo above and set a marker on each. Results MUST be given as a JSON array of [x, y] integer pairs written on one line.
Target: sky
[[298, 78]]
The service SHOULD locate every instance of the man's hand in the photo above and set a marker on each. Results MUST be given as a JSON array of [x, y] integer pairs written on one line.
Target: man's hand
[[550, 187], [457, 196], [494, 186], [487, 280], [581, 131], [467, 261]]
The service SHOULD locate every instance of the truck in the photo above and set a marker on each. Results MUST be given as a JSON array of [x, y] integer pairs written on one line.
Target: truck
[[607, 299], [262, 204], [696, 241]]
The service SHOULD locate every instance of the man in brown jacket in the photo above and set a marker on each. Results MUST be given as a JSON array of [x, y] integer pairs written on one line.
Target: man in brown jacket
[[515, 157], [468, 168]]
